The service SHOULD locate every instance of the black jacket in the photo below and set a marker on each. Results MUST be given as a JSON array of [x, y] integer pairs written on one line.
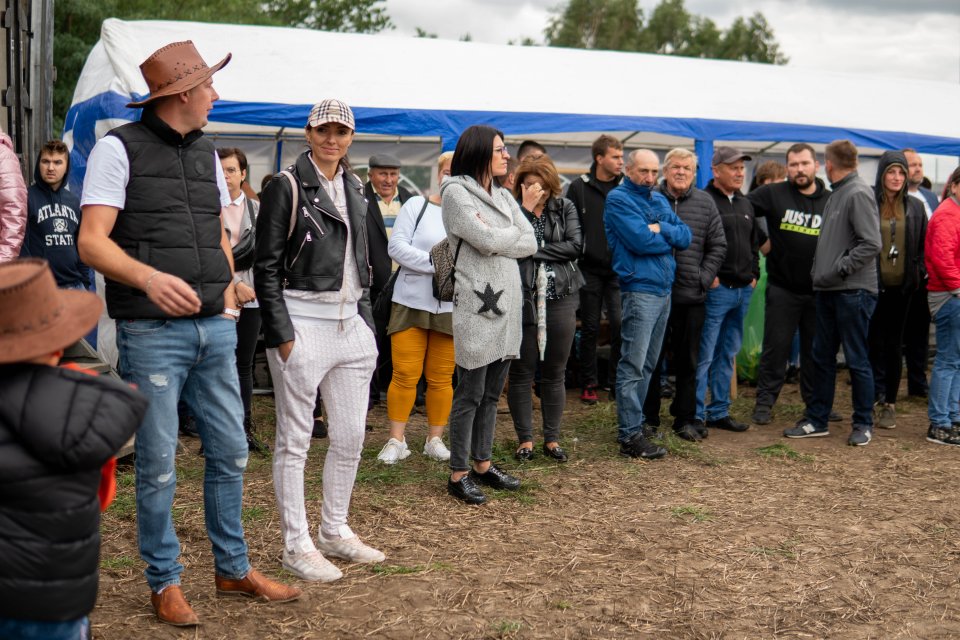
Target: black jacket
[[57, 428], [171, 217], [744, 237], [589, 195], [914, 273], [793, 224], [562, 246], [377, 233], [699, 263], [311, 258], [53, 220]]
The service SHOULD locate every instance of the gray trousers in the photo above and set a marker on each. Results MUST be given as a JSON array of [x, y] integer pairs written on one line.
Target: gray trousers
[[473, 417]]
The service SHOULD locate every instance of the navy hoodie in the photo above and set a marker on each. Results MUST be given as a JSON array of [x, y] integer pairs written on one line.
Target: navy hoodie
[[53, 221]]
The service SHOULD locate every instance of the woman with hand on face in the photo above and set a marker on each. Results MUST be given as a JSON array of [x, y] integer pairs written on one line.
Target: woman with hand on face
[[312, 276], [550, 279], [420, 328], [487, 233]]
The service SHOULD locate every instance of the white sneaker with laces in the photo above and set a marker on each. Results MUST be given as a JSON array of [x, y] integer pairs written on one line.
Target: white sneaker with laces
[[310, 566], [435, 449], [348, 547], [393, 452]]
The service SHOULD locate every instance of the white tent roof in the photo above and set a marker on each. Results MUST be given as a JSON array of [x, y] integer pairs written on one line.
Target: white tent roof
[[436, 88]]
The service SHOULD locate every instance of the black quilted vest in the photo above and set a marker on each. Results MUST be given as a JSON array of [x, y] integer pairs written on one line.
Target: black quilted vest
[[171, 219]]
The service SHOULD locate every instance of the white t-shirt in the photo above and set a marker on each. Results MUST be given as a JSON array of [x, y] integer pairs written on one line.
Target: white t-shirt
[[108, 172]]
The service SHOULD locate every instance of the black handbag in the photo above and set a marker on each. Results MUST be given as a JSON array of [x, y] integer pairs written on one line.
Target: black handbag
[[382, 304], [244, 252]]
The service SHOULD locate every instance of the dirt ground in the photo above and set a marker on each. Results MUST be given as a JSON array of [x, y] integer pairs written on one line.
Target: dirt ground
[[743, 536]]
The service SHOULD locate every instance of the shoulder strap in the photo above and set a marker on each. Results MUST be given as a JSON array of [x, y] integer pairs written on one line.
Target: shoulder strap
[[248, 214], [294, 201], [457, 253], [420, 215]]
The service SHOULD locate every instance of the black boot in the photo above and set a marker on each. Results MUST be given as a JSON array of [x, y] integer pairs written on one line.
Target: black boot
[[253, 442]]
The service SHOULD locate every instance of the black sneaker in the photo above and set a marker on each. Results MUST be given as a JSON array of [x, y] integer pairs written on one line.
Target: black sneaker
[[639, 447], [944, 435], [728, 424], [762, 414], [834, 417], [319, 428], [860, 436], [466, 490], [496, 478], [701, 428], [687, 431]]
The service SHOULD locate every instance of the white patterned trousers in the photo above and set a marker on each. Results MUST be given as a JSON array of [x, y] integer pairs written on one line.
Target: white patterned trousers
[[340, 360]]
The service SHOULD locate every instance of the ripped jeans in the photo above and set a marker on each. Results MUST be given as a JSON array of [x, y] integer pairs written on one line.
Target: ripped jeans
[[193, 359]]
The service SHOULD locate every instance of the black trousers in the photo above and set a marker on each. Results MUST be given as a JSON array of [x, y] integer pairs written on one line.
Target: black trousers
[[248, 330], [685, 325], [784, 312], [600, 288], [917, 342], [384, 371], [886, 342]]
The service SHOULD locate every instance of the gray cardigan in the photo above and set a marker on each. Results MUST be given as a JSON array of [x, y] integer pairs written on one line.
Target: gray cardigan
[[487, 301]]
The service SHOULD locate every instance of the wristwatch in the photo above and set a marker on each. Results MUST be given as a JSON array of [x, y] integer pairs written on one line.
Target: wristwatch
[[232, 312]]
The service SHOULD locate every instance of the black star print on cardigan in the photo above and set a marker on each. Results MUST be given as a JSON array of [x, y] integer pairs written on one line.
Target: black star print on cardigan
[[489, 299]]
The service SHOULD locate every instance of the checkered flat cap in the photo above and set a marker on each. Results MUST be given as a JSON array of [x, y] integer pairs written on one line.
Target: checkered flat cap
[[331, 110]]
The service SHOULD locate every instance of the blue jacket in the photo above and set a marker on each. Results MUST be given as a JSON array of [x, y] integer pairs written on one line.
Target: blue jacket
[[643, 260]]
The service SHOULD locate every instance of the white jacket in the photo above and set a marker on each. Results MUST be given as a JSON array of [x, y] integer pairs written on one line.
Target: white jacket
[[411, 250]]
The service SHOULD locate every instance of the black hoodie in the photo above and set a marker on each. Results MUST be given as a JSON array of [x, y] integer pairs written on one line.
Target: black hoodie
[[53, 220], [911, 253], [793, 225], [589, 195]]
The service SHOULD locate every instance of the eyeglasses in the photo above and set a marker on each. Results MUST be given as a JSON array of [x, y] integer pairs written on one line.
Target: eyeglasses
[[231, 170], [501, 151]]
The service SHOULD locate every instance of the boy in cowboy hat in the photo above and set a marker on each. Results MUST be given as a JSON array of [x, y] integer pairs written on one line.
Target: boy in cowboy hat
[[58, 427], [152, 200]]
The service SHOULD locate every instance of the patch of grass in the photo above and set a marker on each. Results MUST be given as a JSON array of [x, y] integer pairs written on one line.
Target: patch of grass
[[681, 448], [562, 605], [783, 452], [252, 514], [400, 570], [691, 513], [506, 628], [403, 473], [118, 563], [124, 505], [784, 550], [127, 479]]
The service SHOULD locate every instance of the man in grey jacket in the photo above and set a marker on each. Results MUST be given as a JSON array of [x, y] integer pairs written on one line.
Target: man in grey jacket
[[845, 286]]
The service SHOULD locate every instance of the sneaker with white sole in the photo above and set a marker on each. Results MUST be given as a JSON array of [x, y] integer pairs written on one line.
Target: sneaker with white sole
[[348, 547], [860, 436], [886, 416], [805, 429], [394, 451], [310, 566], [435, 449]]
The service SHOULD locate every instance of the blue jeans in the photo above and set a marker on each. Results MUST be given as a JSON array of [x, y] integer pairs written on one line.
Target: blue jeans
[[719, 344], [843, 317], [641, 334], [944, 406], [13, 629], [195, 360]]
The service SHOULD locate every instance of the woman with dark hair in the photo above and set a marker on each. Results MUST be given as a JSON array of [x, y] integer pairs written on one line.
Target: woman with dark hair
[[550, 279], [487, 233], [942, 254], [900, 269], [312, 276]]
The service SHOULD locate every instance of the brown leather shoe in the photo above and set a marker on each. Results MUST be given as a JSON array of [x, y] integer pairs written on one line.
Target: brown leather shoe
[[173, 608], [257, 585]]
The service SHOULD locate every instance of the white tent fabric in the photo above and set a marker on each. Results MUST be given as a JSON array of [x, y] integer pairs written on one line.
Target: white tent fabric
[[440, 87]]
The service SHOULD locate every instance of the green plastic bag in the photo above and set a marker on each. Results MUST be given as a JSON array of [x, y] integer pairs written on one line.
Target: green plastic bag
[[748, 360]]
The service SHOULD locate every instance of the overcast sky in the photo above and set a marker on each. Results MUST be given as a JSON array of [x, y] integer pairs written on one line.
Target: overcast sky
[[905, 38]]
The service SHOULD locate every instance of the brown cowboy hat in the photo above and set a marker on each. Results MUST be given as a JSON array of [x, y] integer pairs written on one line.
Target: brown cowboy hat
[[36, 318], [173, 69]]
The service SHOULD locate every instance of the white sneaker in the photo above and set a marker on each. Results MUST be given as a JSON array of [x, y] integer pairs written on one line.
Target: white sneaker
[[310, 566], [348, 547], [393, 452], [434, 448]]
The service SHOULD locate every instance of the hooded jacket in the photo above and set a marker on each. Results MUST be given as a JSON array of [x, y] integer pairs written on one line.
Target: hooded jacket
[[741, 266], [942, 247], [53, 221], [588, 196], [13, 201], [642, 259], [846, 256], [57, 428], [794, 220], [698, 264], [915, 218], [487, 291]]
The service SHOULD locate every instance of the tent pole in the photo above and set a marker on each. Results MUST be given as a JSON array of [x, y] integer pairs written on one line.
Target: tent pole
[[279, 152], [704, 151]]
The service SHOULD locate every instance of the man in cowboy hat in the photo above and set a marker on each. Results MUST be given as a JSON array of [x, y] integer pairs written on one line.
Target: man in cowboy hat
[[151, 203], [58, 427]]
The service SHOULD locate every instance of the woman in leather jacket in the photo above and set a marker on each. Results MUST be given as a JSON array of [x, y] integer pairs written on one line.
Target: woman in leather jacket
[[312, 278], [551, 282]]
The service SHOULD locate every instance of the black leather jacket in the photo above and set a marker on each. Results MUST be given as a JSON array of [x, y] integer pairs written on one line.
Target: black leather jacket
[[311, 257], [563, 244]]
